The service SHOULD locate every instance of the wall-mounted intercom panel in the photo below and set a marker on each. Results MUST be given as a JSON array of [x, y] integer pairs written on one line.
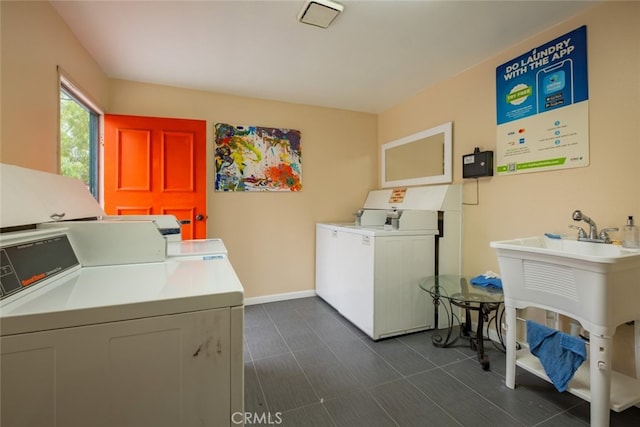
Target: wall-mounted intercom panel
[[477, 164]]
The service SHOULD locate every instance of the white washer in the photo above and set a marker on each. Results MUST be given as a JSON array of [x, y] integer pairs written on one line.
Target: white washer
[[138, 344], [369, 271], [370, 275]]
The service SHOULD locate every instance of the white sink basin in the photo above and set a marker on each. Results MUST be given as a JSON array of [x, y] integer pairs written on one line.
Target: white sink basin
[[594, 252], [595, 283]]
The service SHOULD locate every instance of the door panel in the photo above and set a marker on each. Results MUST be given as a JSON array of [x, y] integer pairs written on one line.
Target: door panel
[[133, 160], [156, 166], [140, 210], [177, 158]]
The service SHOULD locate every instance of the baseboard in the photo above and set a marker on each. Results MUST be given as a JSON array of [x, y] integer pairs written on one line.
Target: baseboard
[[279, 297]]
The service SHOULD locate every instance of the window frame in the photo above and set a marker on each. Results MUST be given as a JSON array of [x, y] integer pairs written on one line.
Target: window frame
[[66, 84]]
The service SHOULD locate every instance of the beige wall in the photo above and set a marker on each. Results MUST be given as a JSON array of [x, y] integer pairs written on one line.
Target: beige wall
[[530, 204], [35, 41], [271, 236]]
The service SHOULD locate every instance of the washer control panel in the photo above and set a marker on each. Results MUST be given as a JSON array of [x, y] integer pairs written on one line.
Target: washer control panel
[[29, 262]]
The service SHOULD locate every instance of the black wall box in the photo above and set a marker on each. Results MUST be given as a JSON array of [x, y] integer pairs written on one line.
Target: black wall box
[[477, 164]]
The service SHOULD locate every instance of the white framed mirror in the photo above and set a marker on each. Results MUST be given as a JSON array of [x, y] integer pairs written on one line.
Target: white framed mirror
[[418, 159]]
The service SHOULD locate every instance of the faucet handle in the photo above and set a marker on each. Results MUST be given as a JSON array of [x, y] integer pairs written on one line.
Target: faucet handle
[[604, 234], [581, 233]]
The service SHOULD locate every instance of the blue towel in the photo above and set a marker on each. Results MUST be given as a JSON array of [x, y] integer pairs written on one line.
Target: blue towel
[[560, 354], [489, 282]]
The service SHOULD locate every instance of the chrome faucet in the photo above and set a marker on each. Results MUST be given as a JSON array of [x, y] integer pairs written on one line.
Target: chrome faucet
[[593, 236], [593, 228]]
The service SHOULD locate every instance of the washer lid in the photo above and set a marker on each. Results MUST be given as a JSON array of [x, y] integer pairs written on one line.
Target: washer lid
[[376, 230], [29, 196], [196, 248], [114, 293]]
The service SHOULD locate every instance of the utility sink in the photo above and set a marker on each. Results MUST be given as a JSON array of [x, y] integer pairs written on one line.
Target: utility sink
[[597, 284]]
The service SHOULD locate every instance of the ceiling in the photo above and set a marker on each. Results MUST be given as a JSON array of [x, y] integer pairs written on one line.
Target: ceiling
[[376, 54]]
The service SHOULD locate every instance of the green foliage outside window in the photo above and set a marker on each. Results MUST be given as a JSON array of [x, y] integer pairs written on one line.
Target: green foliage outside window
[[75, 155]]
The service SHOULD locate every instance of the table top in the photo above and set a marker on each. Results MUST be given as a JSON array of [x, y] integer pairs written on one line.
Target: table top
[[458, 289]]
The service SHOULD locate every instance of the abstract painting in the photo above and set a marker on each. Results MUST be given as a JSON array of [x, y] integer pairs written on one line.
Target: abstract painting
[[253, 158]]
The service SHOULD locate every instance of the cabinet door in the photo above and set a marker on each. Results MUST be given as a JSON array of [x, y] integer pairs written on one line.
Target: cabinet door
[[160, 371]]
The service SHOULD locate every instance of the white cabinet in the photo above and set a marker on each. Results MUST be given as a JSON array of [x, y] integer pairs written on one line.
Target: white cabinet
[[371, 278], [174, 370]]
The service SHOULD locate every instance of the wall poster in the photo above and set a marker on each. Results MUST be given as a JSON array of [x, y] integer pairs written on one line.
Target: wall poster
[[253, 158], [542, 102]]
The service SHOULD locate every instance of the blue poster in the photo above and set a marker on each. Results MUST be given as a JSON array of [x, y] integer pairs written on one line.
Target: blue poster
[[542, 107], [551, 76]]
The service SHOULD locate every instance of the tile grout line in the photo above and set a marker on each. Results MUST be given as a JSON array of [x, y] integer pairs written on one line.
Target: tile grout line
[[253, 366], [315, 392]]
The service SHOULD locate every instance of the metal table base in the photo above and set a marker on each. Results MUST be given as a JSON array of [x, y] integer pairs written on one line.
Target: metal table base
[[456, 291]]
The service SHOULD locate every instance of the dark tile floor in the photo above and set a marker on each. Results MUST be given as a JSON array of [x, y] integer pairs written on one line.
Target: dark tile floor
[[305, 365]]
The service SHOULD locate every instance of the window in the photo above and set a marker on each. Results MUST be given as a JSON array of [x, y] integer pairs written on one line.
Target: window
[[79, 136]]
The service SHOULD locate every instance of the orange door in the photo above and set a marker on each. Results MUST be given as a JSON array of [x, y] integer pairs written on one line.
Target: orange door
[[156, 166]]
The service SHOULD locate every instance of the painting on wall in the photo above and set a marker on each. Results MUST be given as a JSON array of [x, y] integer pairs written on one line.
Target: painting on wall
[[253, 158]]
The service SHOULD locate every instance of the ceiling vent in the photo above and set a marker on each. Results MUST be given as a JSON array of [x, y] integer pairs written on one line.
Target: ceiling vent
[[320, 13]]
